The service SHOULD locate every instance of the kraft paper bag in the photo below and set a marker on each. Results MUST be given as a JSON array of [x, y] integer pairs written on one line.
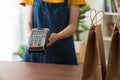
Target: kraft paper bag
[[113, 66], [94, 64]]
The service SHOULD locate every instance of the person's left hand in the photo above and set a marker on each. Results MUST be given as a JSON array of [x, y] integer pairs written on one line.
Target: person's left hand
[[52, 39]]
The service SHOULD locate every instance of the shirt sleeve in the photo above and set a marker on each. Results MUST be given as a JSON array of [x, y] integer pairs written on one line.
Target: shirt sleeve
[[72, 2], [77, 2], [24, 2]]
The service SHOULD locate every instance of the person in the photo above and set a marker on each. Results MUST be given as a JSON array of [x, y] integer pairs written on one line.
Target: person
[[61, 18]]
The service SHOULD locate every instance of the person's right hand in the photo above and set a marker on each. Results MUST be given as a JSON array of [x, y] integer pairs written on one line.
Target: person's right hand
[[52, 39]]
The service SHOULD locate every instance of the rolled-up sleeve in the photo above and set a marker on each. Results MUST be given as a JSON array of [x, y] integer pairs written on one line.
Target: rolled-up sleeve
[[24, 2]]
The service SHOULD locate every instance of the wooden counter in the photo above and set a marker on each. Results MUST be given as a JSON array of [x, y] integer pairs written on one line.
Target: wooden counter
[[38, 71]]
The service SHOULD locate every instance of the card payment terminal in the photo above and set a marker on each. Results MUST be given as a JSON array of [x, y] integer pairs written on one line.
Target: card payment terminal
[[38, 39]]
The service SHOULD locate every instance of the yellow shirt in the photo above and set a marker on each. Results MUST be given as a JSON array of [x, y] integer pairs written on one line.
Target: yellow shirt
[[72, 2]]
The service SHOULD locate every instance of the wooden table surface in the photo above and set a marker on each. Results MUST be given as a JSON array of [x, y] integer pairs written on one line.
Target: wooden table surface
[[38, 71]]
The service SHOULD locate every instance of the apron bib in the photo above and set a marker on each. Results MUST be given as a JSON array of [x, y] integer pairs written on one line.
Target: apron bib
[[54, 16]]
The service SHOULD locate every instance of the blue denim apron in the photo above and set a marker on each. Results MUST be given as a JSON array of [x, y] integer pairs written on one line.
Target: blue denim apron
[[54, 16]]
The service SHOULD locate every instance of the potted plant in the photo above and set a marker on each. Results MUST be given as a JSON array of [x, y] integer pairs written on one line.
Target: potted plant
[[19, 53], [81, 27]]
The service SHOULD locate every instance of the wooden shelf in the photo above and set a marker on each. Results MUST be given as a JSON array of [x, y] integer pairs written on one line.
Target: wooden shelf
[[111, 14]]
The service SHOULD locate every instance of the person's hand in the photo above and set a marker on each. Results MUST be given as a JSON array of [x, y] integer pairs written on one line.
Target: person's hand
[[53, 38]]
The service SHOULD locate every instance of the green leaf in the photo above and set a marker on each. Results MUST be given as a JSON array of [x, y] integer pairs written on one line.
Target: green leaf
[[81, 17], [85, 27]]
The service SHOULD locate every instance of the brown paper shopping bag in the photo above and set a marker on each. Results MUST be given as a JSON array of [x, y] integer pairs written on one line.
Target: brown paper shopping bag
[[113, 66], [94, 63]]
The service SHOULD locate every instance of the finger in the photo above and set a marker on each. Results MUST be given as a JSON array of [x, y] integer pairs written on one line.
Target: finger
[[48, 44]]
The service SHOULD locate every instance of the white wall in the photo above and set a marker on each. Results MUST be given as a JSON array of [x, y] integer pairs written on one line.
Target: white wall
[[9, 28]]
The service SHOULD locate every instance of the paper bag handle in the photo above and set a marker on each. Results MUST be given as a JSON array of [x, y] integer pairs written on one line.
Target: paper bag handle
[[94, 18], [117, 22]]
